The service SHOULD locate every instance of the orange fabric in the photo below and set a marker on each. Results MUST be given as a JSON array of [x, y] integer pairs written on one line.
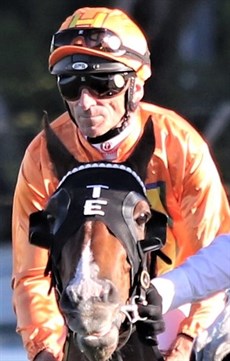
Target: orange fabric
[[182, 180]]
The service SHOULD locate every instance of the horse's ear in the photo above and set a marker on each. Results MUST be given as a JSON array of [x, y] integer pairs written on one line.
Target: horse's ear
[[143, 151], [61, 158]]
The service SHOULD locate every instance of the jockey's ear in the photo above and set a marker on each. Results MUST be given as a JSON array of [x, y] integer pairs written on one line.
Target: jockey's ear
[[39, 230]]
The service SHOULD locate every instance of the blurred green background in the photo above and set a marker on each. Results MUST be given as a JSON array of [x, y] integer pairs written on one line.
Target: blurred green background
[[190, 45]]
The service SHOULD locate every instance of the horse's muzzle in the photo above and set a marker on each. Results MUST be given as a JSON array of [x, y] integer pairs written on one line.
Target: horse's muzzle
[[99, 348], [96, 324]]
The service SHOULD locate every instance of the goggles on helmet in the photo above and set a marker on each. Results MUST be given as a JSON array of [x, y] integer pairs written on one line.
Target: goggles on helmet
[[101, 85], [93, 38]]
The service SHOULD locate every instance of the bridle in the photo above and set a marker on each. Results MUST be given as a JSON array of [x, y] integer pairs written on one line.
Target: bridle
[[108, 193]]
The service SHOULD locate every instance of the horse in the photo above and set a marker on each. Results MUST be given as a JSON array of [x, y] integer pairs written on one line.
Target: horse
[[102, 238]]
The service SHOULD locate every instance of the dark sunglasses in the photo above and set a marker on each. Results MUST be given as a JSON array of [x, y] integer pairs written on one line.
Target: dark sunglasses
[[100, 85], [95, 38]]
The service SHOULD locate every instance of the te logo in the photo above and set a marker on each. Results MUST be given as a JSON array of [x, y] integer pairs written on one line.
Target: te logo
[[94, 206]]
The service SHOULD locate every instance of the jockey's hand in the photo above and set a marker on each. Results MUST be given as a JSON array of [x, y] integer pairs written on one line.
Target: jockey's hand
[[45, 356], [181, 349], [154, 324]]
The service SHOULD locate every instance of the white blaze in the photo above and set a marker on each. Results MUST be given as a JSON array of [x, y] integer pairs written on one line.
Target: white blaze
[[85, 282]]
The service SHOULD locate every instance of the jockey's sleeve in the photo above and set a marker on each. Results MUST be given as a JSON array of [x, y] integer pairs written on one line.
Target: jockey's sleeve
[[39, 321], [201, 275], [198, 206]]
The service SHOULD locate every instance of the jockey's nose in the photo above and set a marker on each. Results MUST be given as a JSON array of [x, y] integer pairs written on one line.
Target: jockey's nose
[[94, 290], [86, 99]]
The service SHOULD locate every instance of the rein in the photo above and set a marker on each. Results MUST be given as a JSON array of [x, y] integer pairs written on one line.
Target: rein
[[139, 296]]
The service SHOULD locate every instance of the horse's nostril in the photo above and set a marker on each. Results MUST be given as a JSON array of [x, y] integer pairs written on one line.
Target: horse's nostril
[[100, 290], [109, 292], [72, 294]]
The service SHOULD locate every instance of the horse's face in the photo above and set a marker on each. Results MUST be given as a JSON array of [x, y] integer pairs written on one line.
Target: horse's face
[[95, 273], [97, 281]]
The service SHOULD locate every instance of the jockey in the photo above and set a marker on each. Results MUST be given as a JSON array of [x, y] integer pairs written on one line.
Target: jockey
[[101, 61]]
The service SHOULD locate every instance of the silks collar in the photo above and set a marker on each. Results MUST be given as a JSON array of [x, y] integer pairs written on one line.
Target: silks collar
[[110, 147]]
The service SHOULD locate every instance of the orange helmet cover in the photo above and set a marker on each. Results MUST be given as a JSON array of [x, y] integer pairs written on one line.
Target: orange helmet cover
[[118, 22]]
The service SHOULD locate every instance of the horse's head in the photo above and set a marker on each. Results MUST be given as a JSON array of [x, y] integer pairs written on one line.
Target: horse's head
[[96, 229]]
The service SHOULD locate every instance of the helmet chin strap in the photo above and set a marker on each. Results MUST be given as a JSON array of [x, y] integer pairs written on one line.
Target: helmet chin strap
[[111, 133], [129, 103], [129, 106]]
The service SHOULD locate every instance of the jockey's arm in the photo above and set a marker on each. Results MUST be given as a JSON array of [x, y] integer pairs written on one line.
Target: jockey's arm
[[200, 276], [38, 319], [205, 214], [198, 206]]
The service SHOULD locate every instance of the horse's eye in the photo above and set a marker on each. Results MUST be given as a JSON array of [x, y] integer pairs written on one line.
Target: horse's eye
[[143, 218]]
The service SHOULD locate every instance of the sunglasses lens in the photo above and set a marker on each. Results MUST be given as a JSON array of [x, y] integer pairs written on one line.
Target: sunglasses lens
[[69, 87], [102, 86]]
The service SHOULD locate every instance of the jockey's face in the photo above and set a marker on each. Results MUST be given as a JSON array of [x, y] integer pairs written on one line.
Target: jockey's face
[[95, 116]]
